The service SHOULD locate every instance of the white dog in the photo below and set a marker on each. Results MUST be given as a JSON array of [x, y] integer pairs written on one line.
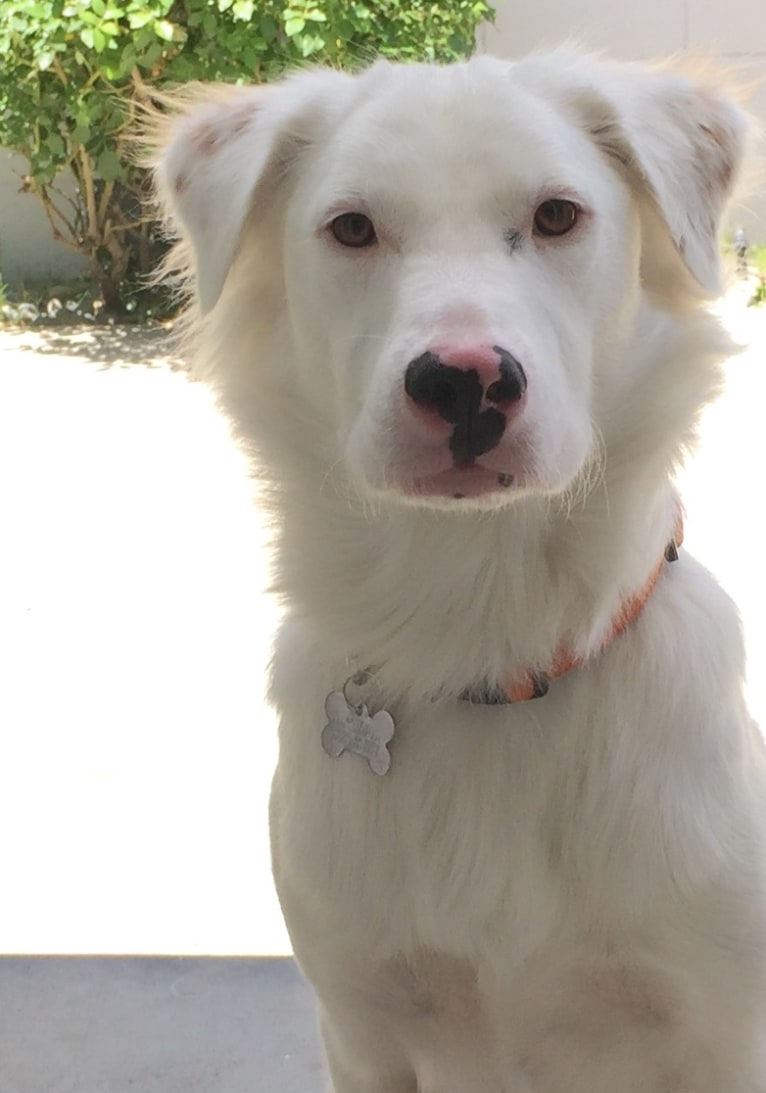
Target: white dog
[[518, 818]]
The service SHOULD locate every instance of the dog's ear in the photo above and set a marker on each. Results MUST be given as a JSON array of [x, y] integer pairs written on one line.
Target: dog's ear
[[216, 145], [680, 142], [683, 142]]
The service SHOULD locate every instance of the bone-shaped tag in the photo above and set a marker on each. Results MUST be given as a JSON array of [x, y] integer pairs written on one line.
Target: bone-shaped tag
[[352, 729]]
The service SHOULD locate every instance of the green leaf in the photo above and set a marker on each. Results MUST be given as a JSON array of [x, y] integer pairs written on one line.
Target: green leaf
[[138, 19], [310, 44], [164, 29], [113, 71], [243, 10], [150, 56], [44, 173], [108, 165], [344, 29], [294, 25], [55, 144], [268, 27]]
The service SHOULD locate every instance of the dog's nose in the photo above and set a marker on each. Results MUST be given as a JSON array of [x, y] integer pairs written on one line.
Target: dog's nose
[[474, 389]]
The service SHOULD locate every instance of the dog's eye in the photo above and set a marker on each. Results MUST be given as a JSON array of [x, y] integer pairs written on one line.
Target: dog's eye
[[353, 230], [555, 217]]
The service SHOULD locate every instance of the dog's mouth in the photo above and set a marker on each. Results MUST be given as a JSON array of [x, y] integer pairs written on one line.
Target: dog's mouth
[[466, 480]]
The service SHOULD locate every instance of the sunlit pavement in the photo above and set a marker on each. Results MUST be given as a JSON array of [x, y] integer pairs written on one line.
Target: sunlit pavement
[[136, 746]]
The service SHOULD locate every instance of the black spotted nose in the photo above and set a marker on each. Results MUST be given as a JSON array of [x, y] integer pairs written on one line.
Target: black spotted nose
[[474, 390]]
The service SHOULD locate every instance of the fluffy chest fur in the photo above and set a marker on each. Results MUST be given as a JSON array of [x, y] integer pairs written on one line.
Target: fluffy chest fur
[[524, 812], [535, 881]]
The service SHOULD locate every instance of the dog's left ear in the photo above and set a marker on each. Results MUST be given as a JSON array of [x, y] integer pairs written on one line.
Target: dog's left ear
[[681, 143], [684, 142], [218, 148], [677, 139]]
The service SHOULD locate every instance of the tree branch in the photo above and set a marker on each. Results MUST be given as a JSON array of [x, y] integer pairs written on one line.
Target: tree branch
[[105, 198], [49, 209], [89, 193]]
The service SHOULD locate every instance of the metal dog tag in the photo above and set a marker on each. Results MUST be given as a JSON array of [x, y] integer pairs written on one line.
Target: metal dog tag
[[350, 728]]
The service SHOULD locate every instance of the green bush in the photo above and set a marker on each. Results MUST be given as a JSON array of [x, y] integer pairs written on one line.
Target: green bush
[[76, 72]]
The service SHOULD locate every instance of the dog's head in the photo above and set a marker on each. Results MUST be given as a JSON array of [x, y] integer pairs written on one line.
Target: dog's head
[[442, 265]]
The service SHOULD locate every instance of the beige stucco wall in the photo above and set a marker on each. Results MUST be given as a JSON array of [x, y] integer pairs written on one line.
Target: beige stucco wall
[[732, 33], [631, 29]]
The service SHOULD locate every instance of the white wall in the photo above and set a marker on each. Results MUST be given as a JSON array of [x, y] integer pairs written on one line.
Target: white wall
[[28, 251], [733, 34]]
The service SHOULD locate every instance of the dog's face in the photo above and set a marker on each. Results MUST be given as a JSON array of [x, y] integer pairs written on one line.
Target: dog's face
[[459, 251], [451, 264]]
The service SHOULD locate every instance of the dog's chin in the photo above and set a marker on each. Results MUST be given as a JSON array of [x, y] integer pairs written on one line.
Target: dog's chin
[[492, 481], [456, 489], [471, 482]]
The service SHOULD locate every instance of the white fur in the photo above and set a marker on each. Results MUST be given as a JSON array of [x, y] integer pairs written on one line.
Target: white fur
[[561, 896]]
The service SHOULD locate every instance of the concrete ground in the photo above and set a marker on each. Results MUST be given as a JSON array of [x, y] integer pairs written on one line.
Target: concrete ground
[[136, 745], [156, 1025]]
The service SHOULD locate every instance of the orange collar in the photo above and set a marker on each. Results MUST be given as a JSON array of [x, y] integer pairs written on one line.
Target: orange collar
[[536, 684]]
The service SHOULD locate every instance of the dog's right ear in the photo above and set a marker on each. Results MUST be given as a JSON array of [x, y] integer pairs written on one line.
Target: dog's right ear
[[215, 145]]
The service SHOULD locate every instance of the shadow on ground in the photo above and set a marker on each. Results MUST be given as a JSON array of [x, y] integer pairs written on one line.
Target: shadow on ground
[[107, 346], [156, 1025]]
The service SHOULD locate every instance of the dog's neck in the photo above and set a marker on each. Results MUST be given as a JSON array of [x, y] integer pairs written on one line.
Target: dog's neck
[[537, 679], [439, 602]]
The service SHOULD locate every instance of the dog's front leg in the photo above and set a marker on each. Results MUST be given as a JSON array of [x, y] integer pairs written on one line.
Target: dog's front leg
[[363, 1063]]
